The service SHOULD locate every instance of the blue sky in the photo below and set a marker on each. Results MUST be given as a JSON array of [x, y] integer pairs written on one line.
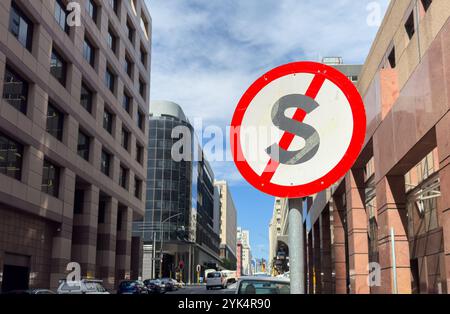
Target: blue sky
[[206, 53]]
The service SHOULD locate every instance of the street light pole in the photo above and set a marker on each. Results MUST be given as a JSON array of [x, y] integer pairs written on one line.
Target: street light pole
[[162, 242]]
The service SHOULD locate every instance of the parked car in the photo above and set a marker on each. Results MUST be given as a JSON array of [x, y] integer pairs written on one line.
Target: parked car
[[132, 287], [155, 286], [263, 285], [230, 275], [207, 271], [83, 286], [30, 291], [216, 279], [169, 284]]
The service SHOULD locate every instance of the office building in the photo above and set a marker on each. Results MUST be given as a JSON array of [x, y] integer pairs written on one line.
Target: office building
[[179, 214], [384, 227], [72, 132], [245, 263]]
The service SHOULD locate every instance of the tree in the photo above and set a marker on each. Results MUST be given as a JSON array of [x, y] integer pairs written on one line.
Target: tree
[[227, 264]]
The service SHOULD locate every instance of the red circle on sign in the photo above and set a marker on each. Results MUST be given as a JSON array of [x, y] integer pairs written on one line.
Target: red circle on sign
[[350, 156]]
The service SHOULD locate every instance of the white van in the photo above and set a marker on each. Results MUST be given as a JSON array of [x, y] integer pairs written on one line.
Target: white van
[[216, 279]]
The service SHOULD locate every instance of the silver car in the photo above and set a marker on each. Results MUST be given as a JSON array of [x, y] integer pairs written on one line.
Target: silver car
[[83, 286], [263, 285]]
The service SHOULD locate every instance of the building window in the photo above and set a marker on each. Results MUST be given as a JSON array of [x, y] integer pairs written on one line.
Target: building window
[[88, 51], [107, 121], [91, 8], [391, 58], [126, 102], [102, 209], [142, 87], [84, 142], [139, 153], [123, 177], [125, 138], [137, 188], [133, 6], [105, 163], [61, 16], [143, 56], [50, 178], [109, 80], [111, 39], [140, 120], [426, 4], [130, 30], [11, 154], [58, 67], [21, 27], [78, 201], [55, 122], [15, 90], [86, 97], [128, 67], [409, 25]]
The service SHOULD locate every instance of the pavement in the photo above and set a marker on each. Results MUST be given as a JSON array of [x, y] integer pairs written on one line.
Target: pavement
[[231, 289]]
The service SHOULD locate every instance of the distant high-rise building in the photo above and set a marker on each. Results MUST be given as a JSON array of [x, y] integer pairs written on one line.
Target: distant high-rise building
[[228, 222], [243, 239]]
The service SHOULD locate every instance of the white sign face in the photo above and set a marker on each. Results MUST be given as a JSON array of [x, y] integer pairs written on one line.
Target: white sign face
[[332, 119], [299, 129]]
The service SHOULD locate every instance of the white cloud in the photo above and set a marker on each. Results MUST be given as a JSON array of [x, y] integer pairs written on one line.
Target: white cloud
[[206, 53]]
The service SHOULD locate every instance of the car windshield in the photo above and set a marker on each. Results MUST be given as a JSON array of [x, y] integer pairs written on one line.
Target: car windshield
[[100, 287], [127, 284], [214, 275], [264, 287]]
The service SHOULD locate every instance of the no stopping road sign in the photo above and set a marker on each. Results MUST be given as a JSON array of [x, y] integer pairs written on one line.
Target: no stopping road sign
[[298, 129]]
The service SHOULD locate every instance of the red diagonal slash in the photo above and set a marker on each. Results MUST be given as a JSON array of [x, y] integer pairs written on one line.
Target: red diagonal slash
[[287, 138]]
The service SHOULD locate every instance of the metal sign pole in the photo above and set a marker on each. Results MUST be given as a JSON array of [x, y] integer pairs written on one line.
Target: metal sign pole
[[296, 243]]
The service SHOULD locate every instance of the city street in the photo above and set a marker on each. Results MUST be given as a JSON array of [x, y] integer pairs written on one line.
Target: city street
[[202, 290]]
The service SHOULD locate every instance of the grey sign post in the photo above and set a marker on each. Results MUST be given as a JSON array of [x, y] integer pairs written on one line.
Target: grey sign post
[[296, 243]]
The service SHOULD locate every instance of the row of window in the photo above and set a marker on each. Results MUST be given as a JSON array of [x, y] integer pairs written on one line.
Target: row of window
[[11, 157], [22, 28], [15, 92]]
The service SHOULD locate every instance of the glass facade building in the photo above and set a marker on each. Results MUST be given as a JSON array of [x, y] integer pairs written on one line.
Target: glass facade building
[[178, 224], [168, 184]]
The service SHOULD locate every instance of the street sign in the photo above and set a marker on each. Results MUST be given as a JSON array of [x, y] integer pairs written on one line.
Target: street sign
[[198, 268], [298, 129]]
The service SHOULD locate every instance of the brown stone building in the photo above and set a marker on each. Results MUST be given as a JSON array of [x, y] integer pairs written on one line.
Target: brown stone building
[[390, 215], [72, 139]]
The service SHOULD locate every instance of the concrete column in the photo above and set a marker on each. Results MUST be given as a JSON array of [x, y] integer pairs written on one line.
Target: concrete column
[[392, 213], [61, 253], [84, 240], [338, 246], [325, 258], [443, 144], [316, 252], [123, 243], [357, 231], [62, 241], [106, 244]]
